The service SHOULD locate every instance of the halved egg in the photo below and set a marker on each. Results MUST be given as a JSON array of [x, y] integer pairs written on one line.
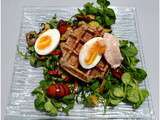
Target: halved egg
[[91, 52], [47, 42]]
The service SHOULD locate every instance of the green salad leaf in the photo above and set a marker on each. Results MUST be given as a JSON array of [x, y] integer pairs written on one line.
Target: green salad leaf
[[115, 102], [129, 53], [139, 74], [67, 108], [39, 102], [128, 48], [68, 99], [143, 93], [118, 91], [103, 3], [104, 16], [53, 22], [49, 107], [126, 78], [90, 9], [45, 83], [37, 90], [95, 85], [133, 95]]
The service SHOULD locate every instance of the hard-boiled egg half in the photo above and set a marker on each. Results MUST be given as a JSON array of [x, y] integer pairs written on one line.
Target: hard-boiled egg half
[[91, 52], [47, 42]]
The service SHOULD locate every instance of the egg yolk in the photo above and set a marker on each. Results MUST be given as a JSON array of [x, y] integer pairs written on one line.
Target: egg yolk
[[97, 48], [44, 42]]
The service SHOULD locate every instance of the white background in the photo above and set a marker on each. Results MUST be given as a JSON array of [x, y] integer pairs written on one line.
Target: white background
[[147, 11]]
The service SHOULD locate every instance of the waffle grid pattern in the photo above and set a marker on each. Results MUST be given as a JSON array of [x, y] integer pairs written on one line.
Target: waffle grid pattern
[[71, 49]]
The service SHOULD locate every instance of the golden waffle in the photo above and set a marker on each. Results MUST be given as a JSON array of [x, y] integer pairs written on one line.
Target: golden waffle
[[75, 39]]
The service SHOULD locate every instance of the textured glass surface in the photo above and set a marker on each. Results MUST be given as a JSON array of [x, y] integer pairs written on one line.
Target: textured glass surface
[[26, 78]]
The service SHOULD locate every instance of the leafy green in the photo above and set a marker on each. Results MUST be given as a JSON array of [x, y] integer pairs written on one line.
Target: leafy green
[[133, 95], [143, 93], [49, 107], [108, 84], [37, 90], [33, 60], [126, 78], [67, 108], [111, 95], [128, 91], [129, 49], [118, 91], [31, 49], [90, 9], [115, 101], [104, 15], [39, 101], [112, 99], [136, 96], [68, 99], [103, 3], [139, 74], [58, 105], [53, 22], [95, 85], [110, 81], [129, 52], [45, 83], [132, 83]]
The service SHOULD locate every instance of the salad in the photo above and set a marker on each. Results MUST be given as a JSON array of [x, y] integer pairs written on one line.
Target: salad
[[84, 63]]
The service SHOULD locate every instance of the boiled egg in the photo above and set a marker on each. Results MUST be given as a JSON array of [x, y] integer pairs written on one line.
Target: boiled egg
[[112, 52], [47, 42], [91, 52]]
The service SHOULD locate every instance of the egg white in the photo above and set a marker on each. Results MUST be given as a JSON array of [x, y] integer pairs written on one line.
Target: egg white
[[55, 38], [84, 53]]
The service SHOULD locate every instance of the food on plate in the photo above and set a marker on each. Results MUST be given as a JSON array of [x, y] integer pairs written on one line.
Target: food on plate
[[62, 26], [92, 101], [58, 90], [91, 53], [84, 63], [74, 40], [47, 41], [112, 53], [117, 73], [31, 38]]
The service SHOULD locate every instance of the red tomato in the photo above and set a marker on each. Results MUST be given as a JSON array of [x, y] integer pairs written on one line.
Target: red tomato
[[62, 26], [58, 90], [54, 72], [56, 52], [117, 73]]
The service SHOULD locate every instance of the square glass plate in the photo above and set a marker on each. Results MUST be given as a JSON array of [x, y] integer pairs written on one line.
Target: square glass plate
[[26, 78]]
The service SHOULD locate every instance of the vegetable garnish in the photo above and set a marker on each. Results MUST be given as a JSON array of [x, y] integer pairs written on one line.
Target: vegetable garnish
[[102, 14], [59, 91]]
